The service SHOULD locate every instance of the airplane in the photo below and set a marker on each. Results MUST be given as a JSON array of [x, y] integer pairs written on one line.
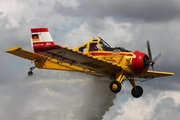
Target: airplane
[[96, 57]]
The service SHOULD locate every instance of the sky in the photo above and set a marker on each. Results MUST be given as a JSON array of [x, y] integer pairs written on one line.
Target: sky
[[73, 96]]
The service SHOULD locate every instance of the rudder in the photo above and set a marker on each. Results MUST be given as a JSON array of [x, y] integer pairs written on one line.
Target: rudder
[[41, 39]]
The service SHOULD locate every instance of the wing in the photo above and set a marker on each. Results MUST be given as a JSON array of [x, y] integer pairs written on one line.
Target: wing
[[154, 74], [68, 58], [76, 58], [41, 61], [18, 51]]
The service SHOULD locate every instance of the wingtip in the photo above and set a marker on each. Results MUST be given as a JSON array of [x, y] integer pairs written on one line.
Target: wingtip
[[161, 53], [13, 49]]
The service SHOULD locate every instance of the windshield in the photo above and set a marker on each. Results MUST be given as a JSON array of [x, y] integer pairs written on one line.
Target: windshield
[[104, 44]]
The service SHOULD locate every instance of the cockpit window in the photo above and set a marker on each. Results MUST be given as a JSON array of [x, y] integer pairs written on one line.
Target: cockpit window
[[93, 47], [82, 49]]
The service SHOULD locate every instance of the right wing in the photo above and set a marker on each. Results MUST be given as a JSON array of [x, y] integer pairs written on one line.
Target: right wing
[[154, 74]]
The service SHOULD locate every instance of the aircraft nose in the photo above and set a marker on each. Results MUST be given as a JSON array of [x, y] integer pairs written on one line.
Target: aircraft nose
[[146, 62], [140, 62]]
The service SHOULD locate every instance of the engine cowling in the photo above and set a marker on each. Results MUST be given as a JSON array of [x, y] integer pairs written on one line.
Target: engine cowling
[[140, 62]]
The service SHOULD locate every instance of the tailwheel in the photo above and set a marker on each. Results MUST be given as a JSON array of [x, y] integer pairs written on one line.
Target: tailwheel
[[138, 92], [30, 73], [115, 86]]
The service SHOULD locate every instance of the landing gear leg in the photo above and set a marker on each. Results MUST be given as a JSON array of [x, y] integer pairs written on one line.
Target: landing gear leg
[[136, 91], [115, 85], [30, 73]]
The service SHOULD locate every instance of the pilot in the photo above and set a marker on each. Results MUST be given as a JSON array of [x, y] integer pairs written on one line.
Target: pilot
[[93, 47]]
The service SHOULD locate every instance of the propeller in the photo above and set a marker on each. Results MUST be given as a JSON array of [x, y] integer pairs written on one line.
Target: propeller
[[149, 50], [158, 56], [152, 61], [150, 55]]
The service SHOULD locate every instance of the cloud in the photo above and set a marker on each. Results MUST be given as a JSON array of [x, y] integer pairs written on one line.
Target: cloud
[[148, 11], [61, 95], [162, 106], [166, 109]]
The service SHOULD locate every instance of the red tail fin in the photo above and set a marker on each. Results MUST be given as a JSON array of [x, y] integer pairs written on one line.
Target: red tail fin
[[41, 39]]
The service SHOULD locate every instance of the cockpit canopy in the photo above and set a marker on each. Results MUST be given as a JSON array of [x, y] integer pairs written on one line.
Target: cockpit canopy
[[98, 44], [104, 44]]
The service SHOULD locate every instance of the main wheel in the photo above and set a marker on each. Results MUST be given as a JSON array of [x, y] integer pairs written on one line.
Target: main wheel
[[115, 86], [138, 92], [30, 73]]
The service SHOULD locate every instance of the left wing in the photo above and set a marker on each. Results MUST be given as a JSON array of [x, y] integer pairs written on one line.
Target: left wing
[[153, 74], [18, 51], [68, 58], [80, 59]]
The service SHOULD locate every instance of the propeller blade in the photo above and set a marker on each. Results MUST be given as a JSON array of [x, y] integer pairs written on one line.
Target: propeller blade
[[157, 57], [152, 61], [149, 50]]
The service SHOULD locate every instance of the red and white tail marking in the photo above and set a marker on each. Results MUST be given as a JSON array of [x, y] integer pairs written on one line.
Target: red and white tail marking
[[41, 39]]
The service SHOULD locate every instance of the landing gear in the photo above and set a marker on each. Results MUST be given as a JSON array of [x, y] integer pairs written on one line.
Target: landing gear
[[138, 92], [115, 86], [30, 73]]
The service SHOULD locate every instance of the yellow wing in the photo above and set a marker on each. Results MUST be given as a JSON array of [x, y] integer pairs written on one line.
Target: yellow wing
[[154, 74], [68, 58], [75, 60], [18, 51], [82, 60]]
